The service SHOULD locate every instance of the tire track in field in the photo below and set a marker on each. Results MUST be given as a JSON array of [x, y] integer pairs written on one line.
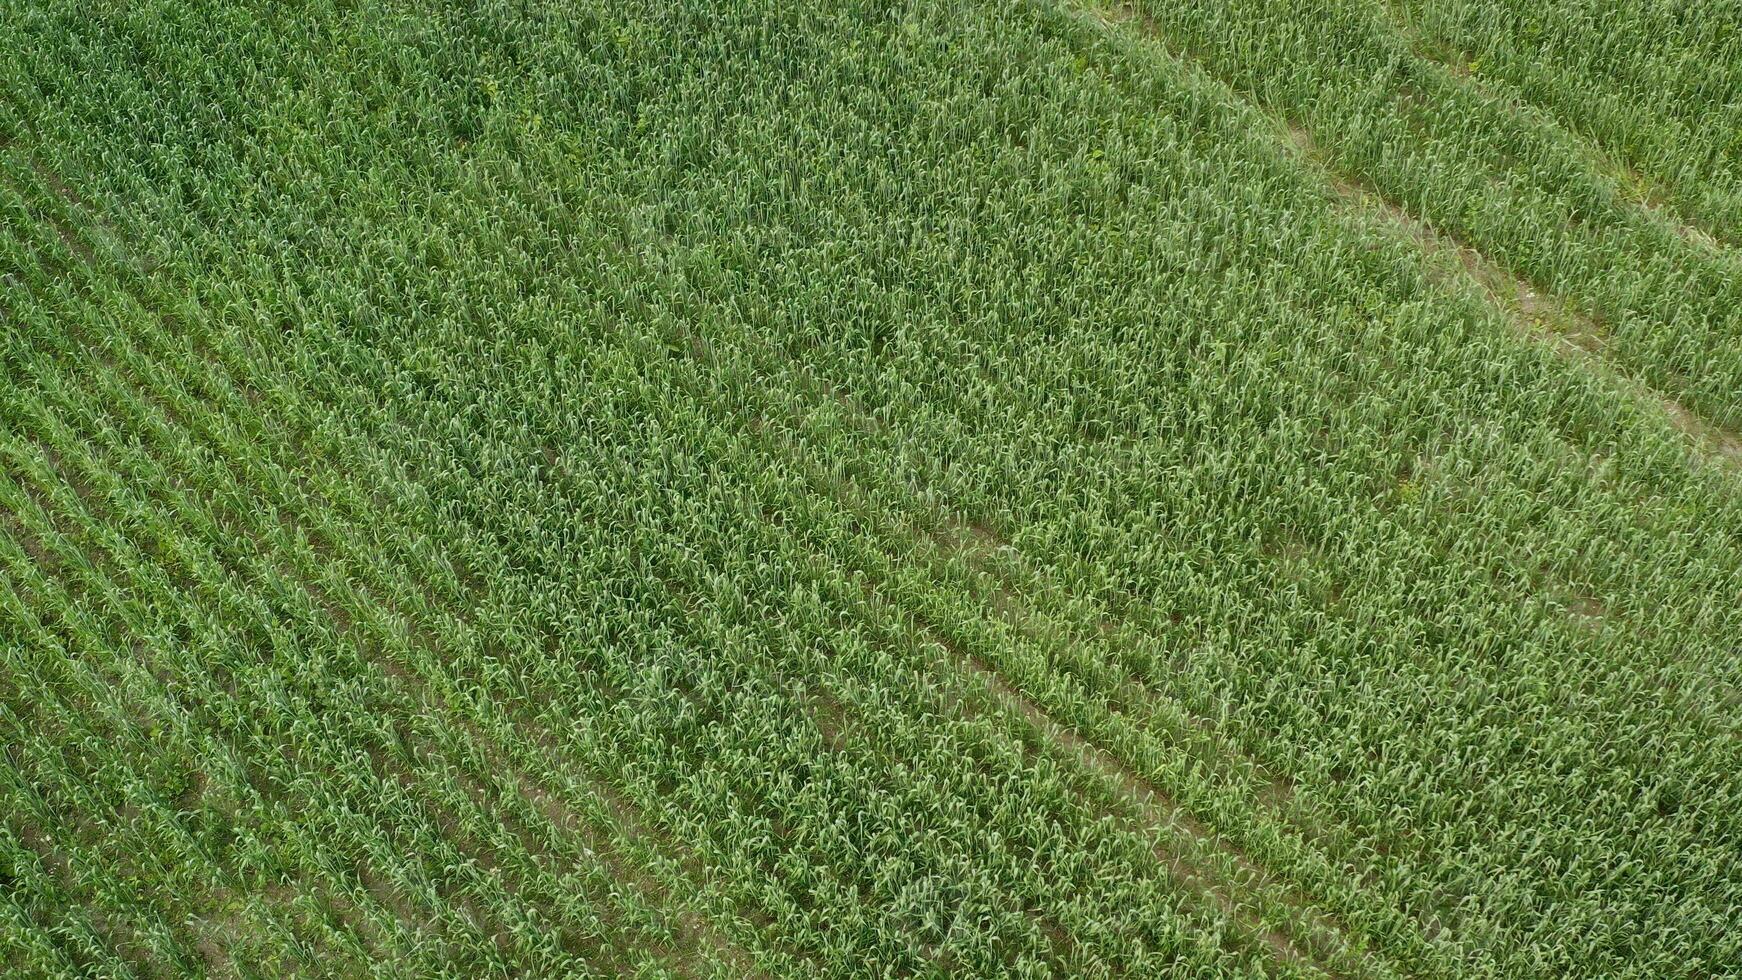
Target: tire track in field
[[1005, 603], [335, 613], [1191, 865], [966, 696], [835, 719], [1627, 182], [1161, 815], [832, 719], [699, 349], [1533, 314], [1273, 795], [1009, 607], [1324, 943]]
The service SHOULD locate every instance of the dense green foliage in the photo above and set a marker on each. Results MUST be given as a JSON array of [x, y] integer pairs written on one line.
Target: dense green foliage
[[735, 488], [1651, 83]]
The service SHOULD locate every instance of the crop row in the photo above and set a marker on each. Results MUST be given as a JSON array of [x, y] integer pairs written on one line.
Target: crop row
[[1050, 537]]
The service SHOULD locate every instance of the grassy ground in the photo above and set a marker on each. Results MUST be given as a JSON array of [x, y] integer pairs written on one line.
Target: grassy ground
[[724, 489]]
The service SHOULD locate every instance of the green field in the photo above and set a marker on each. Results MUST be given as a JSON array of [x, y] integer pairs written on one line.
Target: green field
[[722, 488]]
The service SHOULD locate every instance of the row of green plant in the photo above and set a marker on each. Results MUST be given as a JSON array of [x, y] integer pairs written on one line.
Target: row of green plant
[[788, 425]]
